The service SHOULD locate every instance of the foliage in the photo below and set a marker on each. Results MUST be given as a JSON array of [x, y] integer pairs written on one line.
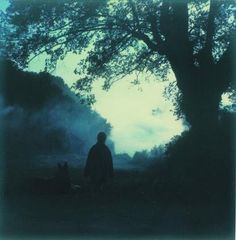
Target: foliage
[[120, 37], [147, 158]]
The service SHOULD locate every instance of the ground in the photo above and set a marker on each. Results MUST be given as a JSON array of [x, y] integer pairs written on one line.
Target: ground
[[136, 204]]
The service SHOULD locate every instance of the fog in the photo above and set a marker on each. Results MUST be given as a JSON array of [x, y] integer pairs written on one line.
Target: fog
[[45, 123], [43, 118]]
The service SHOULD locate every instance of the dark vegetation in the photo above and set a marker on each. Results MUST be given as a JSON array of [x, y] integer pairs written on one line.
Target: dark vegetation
[[181, 189], [137, 203]]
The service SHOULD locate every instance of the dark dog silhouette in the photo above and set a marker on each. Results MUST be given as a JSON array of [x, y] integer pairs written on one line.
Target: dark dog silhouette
[[59, 184]]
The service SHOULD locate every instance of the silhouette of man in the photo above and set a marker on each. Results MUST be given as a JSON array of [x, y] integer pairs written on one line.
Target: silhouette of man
[[99, 165]]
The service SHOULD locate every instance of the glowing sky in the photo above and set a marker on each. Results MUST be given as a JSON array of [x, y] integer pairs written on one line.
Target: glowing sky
[[130, 112], [4, 4], [128, 108]]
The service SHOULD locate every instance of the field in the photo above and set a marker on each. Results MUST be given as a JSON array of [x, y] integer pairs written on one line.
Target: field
[[135, 204]]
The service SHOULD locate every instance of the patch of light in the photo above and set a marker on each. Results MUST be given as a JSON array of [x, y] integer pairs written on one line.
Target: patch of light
[[127, 107], [226, 102], [4, 4], [130, 111]]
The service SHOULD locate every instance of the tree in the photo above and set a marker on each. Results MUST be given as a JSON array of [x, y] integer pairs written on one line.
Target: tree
[[194, 38]]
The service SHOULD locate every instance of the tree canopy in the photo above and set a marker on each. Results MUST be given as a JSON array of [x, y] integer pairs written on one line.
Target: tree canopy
[[194, 38]]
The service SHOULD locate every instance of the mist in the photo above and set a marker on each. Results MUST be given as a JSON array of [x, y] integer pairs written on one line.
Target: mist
[[45, 123], [43, 118]]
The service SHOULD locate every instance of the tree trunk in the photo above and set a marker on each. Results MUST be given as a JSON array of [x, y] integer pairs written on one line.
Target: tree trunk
[[201, 96], [200, 105]]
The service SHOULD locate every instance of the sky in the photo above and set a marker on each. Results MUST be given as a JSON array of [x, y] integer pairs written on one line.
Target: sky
[[4, 4], [128, 108]]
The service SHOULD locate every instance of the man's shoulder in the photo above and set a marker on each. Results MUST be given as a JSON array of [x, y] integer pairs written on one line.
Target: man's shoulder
[[93, 148], [102, 147], [107, 149]]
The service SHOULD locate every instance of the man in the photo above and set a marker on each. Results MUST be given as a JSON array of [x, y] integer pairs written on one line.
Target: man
[[99, 166]]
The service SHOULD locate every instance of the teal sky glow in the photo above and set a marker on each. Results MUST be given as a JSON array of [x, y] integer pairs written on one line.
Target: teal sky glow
[[128, 108], [3, 5]]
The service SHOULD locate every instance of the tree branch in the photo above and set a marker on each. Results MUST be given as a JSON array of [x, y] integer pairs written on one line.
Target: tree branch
[[158, 46], [210, 27], [113, 49], [156, 35], [225, 68], [165, 21], [136, 19], [141, 36], [174, 27]]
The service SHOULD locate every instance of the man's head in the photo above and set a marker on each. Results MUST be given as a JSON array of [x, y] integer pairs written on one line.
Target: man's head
[[101, 137]]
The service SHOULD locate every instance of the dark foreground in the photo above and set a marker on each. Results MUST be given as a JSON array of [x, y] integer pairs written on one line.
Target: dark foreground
[[136, 204]]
